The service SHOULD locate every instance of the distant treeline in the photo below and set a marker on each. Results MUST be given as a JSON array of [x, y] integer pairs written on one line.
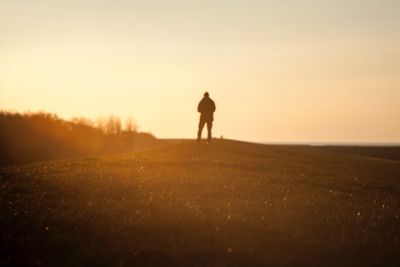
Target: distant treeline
[[32, 137]]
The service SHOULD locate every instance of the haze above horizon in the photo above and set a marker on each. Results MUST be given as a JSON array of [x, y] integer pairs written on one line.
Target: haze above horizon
[[279, 71]]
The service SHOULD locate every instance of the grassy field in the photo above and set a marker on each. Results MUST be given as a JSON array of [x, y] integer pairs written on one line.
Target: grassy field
[[225, 204]]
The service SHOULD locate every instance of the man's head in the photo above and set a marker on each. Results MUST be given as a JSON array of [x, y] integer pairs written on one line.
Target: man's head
[[206, 94]]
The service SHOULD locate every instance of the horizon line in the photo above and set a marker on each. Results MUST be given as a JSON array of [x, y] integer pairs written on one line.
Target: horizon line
[[305, 143]]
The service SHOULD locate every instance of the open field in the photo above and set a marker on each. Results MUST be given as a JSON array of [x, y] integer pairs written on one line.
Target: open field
[[225, 204]]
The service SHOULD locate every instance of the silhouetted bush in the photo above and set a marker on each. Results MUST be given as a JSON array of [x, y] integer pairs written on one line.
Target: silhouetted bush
[[32, 137]]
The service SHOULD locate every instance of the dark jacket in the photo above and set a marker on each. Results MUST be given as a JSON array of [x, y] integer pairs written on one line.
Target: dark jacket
[[206, 107]]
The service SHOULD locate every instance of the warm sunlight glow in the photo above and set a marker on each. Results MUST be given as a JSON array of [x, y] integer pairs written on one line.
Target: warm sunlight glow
[[279, 71]]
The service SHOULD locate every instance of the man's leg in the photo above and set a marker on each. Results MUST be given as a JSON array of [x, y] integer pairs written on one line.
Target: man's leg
[[201, 126], [209, 127]]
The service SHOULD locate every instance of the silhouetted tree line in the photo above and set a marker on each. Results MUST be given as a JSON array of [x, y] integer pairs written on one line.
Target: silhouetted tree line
[[32, 137]]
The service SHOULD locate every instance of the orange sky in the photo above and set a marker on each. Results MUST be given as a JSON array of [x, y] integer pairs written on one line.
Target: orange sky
[[288, 71]]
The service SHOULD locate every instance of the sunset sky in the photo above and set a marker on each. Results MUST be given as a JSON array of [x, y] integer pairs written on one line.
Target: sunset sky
[[279, 71]]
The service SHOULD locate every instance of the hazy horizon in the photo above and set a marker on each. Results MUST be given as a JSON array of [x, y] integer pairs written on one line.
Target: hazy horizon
[[281, 71]]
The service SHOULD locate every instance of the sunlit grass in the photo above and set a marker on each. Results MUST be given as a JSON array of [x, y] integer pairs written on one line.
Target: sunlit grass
[[224, 204]]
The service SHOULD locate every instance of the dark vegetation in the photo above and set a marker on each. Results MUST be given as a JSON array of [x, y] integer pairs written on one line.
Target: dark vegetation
[[224, 204], [33, 137]]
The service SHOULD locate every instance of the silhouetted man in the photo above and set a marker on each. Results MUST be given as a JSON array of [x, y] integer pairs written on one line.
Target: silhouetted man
[[206, 108]]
